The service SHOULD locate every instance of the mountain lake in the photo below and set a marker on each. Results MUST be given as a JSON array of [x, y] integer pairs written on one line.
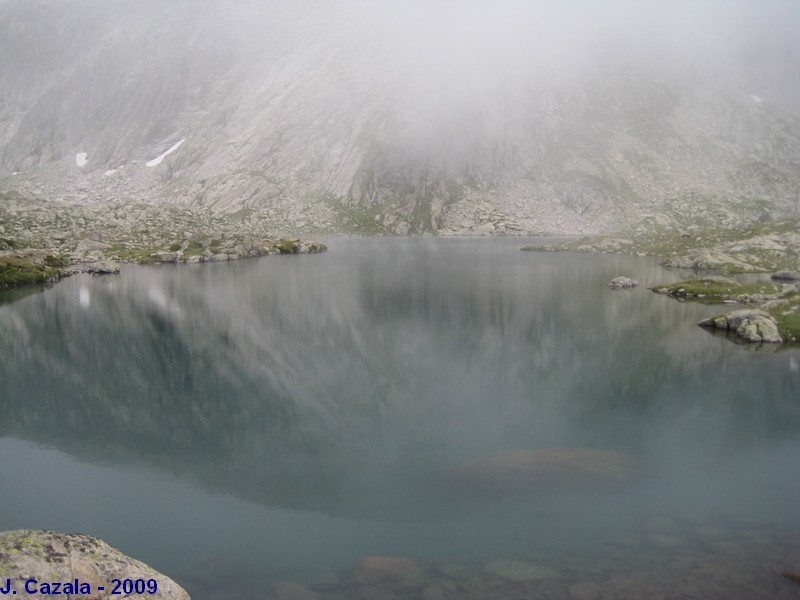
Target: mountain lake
[[346, 425]]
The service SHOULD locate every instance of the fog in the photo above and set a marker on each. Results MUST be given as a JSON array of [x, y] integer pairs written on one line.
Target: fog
[[451, 47], [400, 104]]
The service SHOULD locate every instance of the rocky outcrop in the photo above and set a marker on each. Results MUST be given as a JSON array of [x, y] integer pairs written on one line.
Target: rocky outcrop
[[547, 470], [706, 259], [748, 324], [621, 282], [785, 276], [38, 560]]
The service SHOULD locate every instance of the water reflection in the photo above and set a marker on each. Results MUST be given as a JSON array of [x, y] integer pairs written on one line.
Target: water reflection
[[352, 384]]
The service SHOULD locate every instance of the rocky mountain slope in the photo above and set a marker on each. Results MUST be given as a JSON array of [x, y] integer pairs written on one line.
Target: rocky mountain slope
[[344, 117]]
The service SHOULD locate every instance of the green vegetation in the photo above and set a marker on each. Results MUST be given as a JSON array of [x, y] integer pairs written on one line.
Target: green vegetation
[[15, 270], [763, 247], [786, 311], [125, 253], [712, 290]]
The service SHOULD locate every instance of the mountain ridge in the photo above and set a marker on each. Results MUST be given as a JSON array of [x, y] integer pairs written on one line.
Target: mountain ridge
[[308, 118]]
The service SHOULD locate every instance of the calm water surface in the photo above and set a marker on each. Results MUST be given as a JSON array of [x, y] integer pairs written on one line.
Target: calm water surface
[[236, 425]]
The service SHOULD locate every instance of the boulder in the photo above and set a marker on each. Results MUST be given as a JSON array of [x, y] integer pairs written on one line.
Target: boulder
[[751, 325], [622, 282], [103, 267], [785, 276], [85, 562], [548, 470]]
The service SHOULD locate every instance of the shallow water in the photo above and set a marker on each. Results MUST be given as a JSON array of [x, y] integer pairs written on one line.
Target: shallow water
[[238, 425]]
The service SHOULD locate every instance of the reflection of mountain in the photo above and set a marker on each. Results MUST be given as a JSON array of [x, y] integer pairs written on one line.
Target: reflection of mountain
[[350, 381]]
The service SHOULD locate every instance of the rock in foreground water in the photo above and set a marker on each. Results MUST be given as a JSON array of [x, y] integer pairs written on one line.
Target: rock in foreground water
[[78, 566]]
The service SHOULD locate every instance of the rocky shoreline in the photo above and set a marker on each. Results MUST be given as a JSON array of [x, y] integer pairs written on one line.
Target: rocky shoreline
[[35, 266]]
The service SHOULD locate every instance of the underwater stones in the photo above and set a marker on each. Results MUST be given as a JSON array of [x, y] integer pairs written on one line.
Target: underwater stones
[[548, 470], [381, 570], [587, 590], [710, 533], [518, 571], [621, 282], [50, 557], [287, 590], [751, 325]]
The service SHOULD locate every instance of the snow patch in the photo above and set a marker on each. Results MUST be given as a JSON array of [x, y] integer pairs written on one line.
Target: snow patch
[[80, 159], [157, 160], [757, 99], [109, 173]]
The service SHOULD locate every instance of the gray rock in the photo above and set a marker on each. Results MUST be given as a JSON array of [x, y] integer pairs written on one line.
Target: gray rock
[[622, 282], [751, 325], [49, 556], [785, 276], [103, 267]]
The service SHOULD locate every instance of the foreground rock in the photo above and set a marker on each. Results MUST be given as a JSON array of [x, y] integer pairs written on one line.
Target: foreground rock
[[620, 282], [548, 470], [40, 559], [751, 325]]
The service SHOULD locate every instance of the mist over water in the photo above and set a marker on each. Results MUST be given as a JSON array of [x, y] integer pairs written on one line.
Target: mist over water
[[292, 415]]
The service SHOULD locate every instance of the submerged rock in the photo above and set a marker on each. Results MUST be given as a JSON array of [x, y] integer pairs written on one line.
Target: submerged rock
[[87, 563], [391, 570], [548, 470], [518, 571], [622, 282], [750, 325]]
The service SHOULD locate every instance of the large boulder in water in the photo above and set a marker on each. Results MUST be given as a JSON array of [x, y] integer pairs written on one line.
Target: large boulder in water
[[548, 470], [84, 563], [751, 325]]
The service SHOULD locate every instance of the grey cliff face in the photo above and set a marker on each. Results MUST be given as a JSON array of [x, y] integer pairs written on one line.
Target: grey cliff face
[[325, 117]]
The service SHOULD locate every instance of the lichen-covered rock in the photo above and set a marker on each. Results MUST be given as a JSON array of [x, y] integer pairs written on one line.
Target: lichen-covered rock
[[622, 282], [42, 559], [751, 325], [547, 470]]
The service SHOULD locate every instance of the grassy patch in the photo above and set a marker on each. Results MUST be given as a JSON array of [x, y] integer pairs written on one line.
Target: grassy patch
[[712, 290], [16, 271], [136, 254], [786, 312]]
